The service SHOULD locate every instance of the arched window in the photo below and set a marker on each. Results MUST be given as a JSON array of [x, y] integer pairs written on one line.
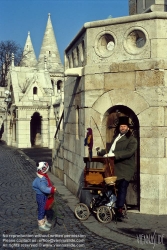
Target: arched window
[[52, 82], [35, 91], [68, 62], [83, 51], [77, 55], [77, 122], [59, 86]]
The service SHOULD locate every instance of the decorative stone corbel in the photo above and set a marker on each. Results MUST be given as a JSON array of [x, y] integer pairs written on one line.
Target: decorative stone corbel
[[74, 72]]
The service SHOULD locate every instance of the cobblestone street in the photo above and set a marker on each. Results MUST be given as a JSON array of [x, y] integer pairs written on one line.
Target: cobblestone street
[[18, 212]]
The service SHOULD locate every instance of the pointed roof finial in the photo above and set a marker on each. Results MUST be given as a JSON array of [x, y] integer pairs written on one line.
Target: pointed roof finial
[[29, 33], [12, 60], [49, 15]]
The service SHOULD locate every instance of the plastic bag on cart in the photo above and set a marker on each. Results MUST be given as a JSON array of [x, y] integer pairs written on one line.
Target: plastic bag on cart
[[112, 200]]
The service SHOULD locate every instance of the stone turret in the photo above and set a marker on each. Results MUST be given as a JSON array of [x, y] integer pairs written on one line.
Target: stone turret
[[145, 6], [29, 57], [49, 51]]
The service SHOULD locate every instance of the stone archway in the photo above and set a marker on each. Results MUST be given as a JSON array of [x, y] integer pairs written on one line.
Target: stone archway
[[136, 105], [128, 98], [35, 130]]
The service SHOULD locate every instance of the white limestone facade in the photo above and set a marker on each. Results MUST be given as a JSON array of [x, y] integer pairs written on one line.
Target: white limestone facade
[[111, 66], [3, 108], [34, 87]]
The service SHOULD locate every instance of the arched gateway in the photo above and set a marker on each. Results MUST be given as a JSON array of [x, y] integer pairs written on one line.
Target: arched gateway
[[117, 103]]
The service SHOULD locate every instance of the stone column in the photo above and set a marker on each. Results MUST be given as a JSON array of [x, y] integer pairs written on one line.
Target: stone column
[[14, 134], [132, 7], [7, 130], [23, 134], [44, 132]]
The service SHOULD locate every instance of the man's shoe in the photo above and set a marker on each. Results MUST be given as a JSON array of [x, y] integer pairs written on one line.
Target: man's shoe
[[119, 214]]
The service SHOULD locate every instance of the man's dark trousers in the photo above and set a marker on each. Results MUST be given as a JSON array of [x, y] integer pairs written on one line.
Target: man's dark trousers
[[122, 186]]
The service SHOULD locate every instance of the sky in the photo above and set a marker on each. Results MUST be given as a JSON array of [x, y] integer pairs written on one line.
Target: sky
[[18, 17]]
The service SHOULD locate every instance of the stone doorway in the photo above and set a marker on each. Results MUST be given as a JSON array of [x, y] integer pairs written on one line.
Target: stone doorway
[[35, 130], [1, 130], [133, 194]]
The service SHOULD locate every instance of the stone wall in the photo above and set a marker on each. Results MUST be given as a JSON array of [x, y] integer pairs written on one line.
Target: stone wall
[[21, 129], [132, 7], [124, 65]]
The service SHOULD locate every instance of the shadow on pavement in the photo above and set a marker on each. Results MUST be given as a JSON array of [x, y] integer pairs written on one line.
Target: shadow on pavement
[[38, 154]]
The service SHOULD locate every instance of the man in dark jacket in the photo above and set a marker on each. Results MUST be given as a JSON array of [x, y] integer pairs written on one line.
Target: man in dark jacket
[[123, 147]]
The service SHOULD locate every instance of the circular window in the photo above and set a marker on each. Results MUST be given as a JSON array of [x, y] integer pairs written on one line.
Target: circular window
[[135, 41], [105, 44]]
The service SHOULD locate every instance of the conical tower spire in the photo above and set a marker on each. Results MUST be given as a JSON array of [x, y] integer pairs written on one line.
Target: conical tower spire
[[28, 58], [49, 50]]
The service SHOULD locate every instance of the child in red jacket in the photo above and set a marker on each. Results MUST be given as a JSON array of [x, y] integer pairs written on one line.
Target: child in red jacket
[[44, 194]]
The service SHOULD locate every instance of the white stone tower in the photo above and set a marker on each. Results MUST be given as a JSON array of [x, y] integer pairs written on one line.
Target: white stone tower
[[146, 6], [29, 57], [49, 50], [34, 88]]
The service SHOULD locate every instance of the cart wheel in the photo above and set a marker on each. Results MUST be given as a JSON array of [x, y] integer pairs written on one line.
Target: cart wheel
[[104, 214], [82, 211]]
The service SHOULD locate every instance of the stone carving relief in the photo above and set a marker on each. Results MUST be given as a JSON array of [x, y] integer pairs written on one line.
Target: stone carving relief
[[24, 85], [48, 91], [35, 78]]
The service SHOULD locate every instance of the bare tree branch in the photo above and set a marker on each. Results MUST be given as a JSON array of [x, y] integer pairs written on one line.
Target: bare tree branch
[[6, 50]]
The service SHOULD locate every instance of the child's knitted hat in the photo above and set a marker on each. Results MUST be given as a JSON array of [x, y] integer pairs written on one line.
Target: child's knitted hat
[[42, 167]]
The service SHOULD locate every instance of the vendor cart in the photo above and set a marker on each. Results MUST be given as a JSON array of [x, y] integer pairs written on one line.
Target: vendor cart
[[100, 180], [96, 170]]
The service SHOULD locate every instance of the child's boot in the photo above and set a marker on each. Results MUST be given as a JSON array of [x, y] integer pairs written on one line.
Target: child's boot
[[42, 226], [47, 222]]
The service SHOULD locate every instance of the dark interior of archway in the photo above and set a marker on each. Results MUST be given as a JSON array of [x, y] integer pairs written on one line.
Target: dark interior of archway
[[35, 127], [120, 110], [111, 128]]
